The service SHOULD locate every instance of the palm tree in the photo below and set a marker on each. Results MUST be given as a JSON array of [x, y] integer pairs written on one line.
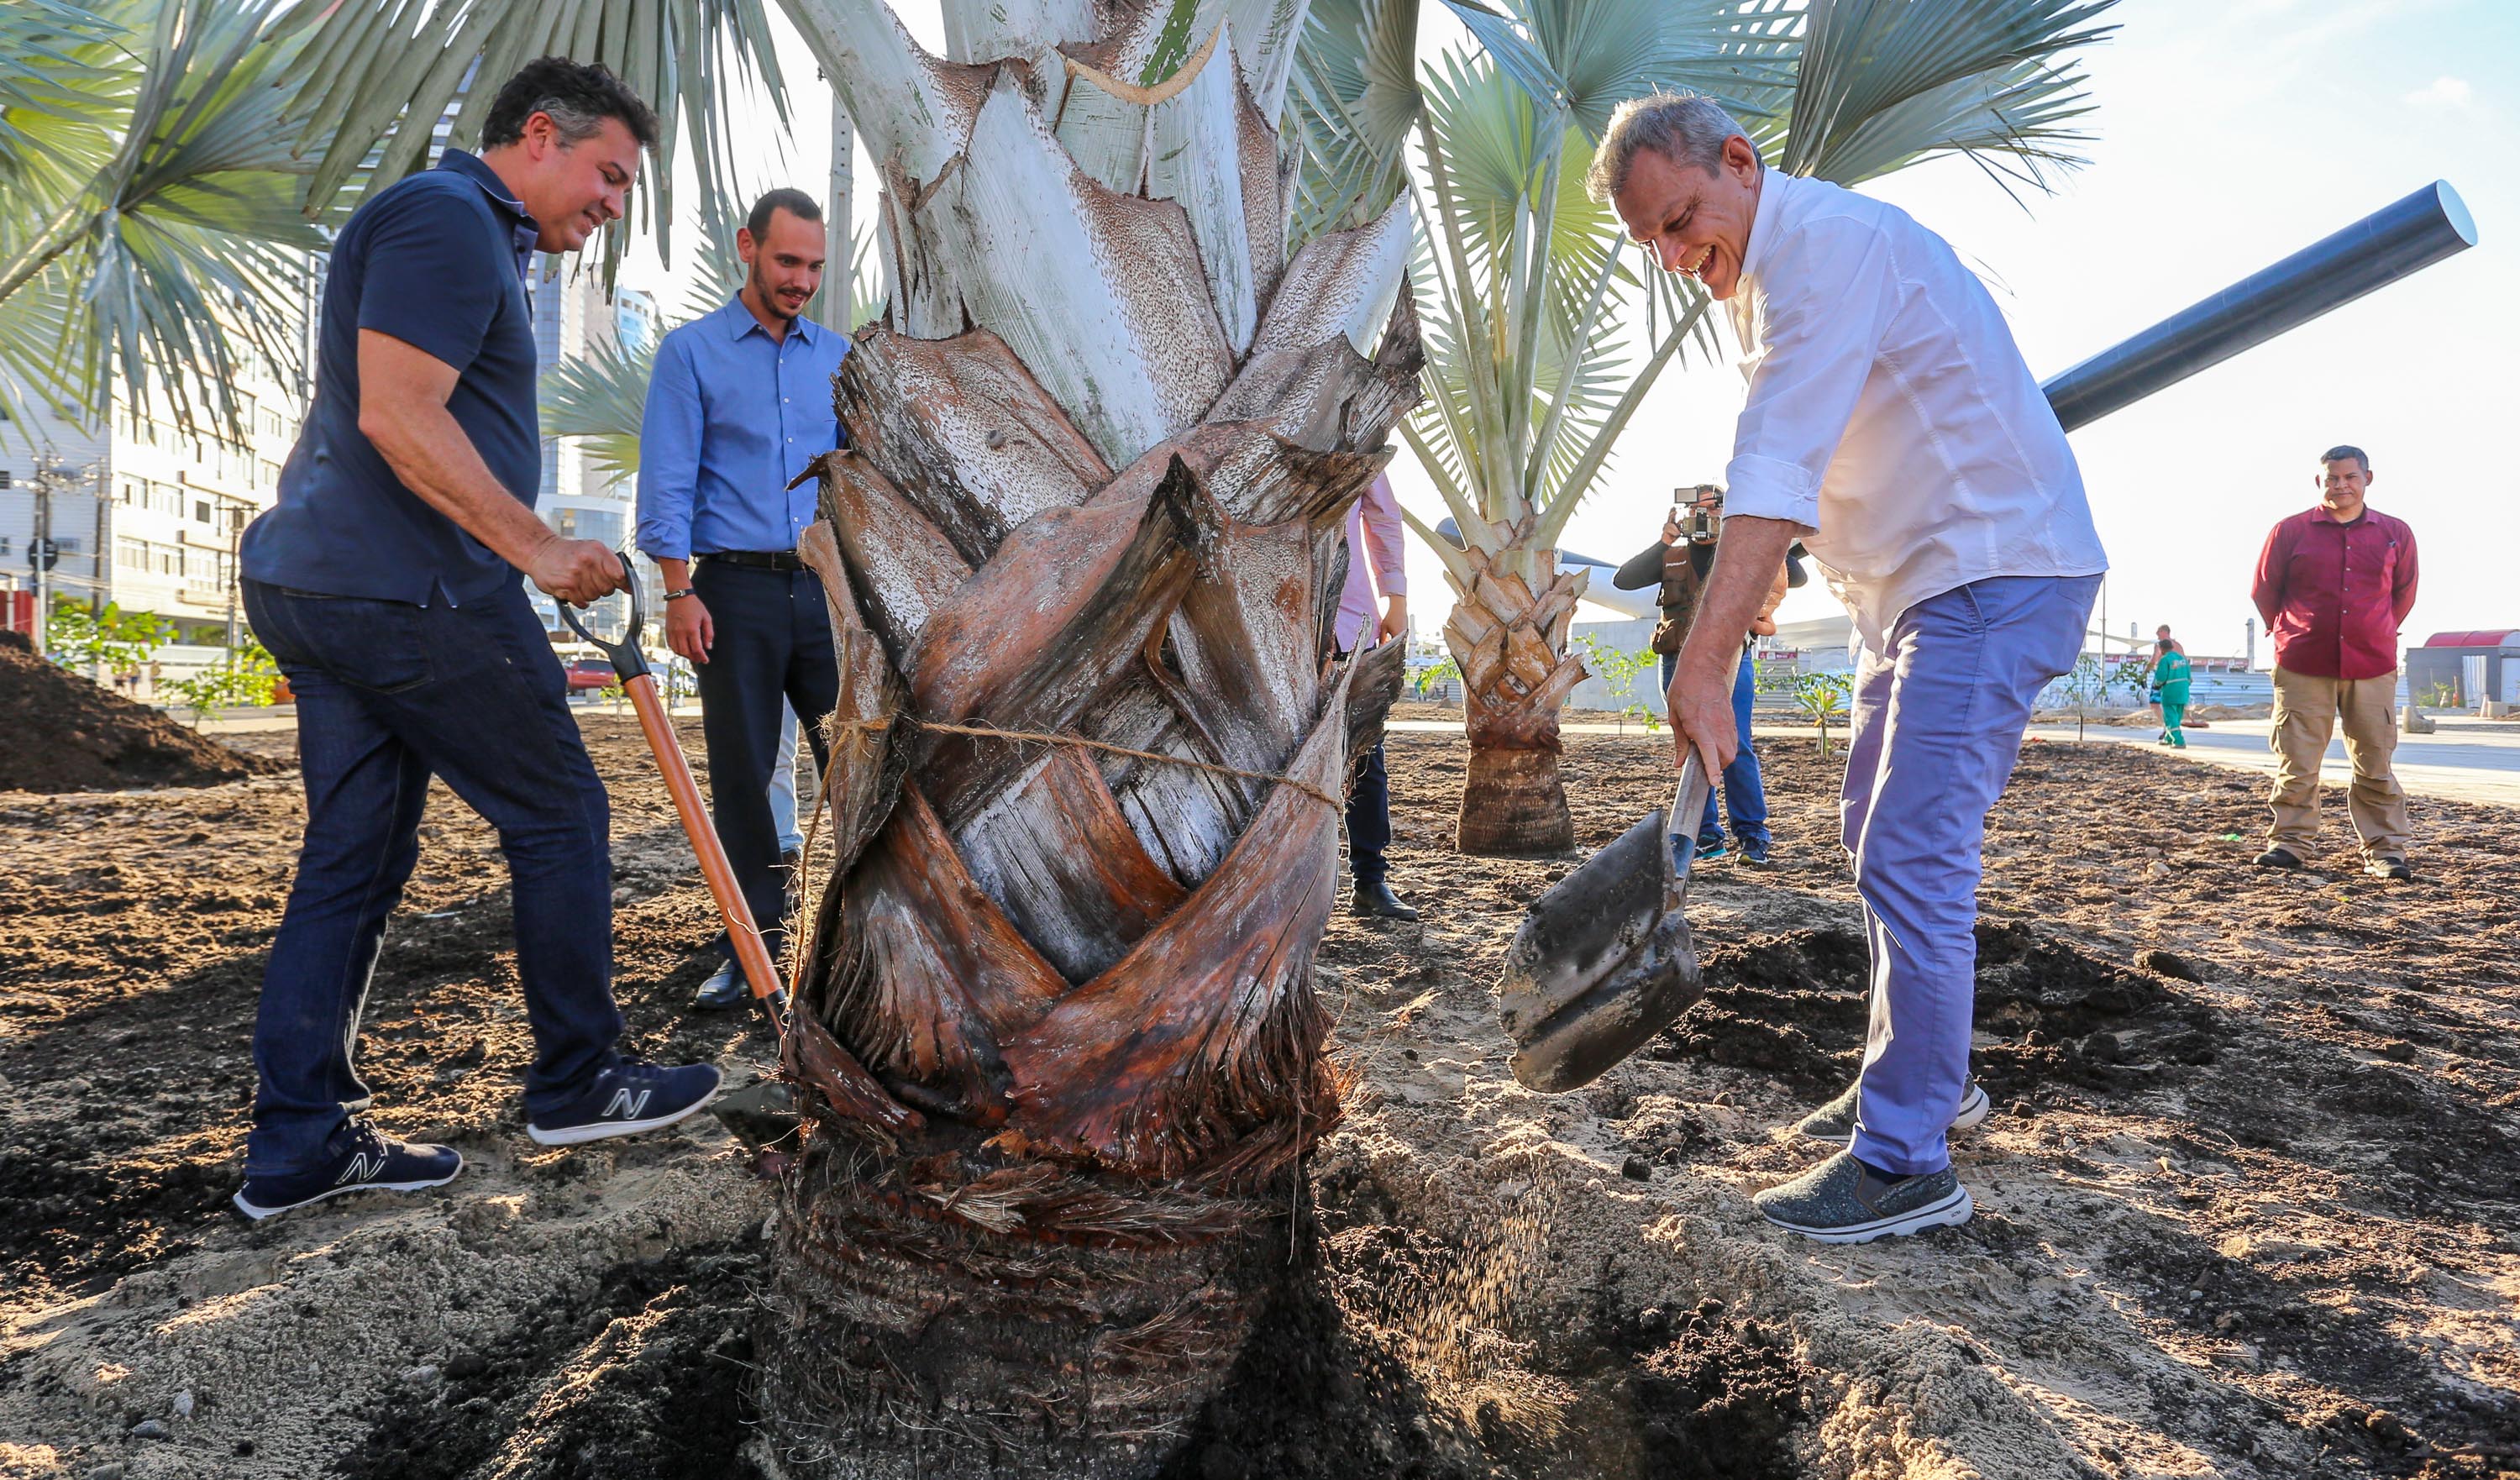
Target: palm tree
[[1541, 341]]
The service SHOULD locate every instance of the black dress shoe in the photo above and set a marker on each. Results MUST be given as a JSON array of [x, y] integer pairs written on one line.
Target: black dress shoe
[[726, 988], [1376, 900], [2278, 858]]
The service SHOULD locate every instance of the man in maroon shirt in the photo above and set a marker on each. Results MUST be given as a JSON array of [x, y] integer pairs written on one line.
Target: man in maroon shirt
[[2333, 584]]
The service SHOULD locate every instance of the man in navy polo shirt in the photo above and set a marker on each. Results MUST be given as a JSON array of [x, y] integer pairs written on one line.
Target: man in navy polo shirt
[[384, 583], [741, 403]]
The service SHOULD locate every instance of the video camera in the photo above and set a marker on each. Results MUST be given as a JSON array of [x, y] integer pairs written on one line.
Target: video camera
[[1702, 518]]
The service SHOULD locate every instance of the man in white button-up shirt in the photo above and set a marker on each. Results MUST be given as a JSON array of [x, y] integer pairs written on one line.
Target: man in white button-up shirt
[[1891, 425]]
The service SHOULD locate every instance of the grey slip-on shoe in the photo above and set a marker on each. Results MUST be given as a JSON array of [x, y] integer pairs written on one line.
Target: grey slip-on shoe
[[1842, 1201]]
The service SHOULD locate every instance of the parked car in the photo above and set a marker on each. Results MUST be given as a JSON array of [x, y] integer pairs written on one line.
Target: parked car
[[588, 673]]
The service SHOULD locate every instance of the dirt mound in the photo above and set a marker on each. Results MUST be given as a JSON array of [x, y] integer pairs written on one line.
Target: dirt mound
[[66, 734], [1794, 1005], [1711, 1397], [642, 1375]]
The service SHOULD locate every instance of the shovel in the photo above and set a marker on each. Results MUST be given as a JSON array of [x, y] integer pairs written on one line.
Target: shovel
[[1604, 961], [631, 665]]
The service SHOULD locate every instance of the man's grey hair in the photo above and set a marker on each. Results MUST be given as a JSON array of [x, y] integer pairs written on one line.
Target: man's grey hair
[[1688, 128], [2339, 453]]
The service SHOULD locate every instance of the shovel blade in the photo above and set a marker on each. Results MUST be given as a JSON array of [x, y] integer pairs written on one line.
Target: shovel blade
[[1604, 961]]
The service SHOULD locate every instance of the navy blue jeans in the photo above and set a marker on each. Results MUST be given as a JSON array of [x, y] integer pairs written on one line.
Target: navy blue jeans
[[1369, 821], [1746, 796], [389, 694], [772, 641]]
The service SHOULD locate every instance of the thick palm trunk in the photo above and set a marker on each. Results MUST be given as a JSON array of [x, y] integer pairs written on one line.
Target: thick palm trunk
[[1507, 633], [1056, 1036]]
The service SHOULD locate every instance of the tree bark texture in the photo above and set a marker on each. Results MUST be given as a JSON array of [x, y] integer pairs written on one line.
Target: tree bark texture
[[1056, 1039], [1507, 633]]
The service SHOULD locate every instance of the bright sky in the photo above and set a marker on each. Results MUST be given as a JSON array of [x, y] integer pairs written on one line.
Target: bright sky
[[2230, 135]]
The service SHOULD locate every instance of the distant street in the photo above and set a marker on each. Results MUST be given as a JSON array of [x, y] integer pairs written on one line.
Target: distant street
[[2470, 760], [2466, 759]]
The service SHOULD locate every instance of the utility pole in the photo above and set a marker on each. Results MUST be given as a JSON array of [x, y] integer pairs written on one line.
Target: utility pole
[[104, 546], [831, 307], [235, 515], [39, 549]]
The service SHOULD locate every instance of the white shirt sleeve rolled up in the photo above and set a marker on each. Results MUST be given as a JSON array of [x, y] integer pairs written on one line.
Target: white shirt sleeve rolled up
[[1816, 350]]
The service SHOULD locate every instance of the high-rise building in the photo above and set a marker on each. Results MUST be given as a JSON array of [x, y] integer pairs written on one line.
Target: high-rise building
[[573, 320]]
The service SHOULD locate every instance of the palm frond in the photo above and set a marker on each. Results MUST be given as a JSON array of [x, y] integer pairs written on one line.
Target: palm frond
[[598, 399], [184, 242], [379, 76], [1353, 100], [1887, 82], [43, 82], [1589, 56]]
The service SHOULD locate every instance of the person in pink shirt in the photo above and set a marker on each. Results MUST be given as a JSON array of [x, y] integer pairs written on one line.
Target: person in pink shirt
[[1374, 565]]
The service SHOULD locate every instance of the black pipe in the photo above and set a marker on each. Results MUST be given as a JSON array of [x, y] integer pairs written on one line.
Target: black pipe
[[2373, 253]]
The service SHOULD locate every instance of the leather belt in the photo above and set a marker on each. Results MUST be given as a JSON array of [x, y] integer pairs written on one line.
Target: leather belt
[[759, 560]]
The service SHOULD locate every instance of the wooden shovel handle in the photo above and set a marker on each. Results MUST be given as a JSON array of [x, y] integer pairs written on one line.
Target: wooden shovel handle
[[749, 952]]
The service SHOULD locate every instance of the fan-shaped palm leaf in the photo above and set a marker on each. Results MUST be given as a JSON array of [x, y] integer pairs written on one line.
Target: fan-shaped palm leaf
[[1353, 100], [43, 82], [385, 73], [166, 232], [1885, 82]]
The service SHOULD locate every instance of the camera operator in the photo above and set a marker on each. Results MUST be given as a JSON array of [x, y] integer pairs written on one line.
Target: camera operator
[[1681, 561]]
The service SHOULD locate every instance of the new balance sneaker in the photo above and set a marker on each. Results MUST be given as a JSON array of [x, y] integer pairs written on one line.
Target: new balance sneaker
[[1844, 1202], [625, 1100], [357, 1159], [1709, 848], [1755, 854], [1836, 1120]]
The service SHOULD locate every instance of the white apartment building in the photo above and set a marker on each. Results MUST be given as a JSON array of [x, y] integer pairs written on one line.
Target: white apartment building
[[143, 514]]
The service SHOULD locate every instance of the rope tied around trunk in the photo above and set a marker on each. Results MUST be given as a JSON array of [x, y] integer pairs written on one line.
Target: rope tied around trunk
[[858, 727]]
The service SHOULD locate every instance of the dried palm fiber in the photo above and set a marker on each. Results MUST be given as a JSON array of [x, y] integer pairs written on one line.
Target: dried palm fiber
[[1059, 1047]]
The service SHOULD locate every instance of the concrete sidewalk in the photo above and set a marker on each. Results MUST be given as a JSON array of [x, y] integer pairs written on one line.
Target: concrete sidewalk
[[2469, 760]]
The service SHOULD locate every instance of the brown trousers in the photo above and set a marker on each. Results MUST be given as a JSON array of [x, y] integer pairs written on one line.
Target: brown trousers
[[2307, 710]]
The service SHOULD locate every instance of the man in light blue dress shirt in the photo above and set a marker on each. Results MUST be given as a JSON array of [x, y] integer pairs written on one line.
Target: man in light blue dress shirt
[[739, 404]]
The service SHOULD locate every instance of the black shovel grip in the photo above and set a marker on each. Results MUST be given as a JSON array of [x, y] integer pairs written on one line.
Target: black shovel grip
[[628, 661], [1687, 805]]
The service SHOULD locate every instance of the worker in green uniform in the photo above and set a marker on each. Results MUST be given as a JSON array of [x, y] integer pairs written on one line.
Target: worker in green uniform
[[2170, 691]]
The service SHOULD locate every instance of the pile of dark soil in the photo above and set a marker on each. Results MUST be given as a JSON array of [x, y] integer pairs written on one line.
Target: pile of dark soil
[[643, 1375], [66, 734], [1794, 1005], [1708, 1395]]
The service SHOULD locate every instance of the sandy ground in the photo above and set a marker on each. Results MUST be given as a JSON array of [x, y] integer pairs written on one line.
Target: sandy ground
[[2246, 1204]]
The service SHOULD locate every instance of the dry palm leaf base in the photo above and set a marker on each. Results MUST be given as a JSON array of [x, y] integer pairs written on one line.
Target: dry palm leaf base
[[1055, 1039]]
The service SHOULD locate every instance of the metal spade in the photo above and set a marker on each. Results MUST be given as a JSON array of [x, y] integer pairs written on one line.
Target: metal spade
[[1604, 961]]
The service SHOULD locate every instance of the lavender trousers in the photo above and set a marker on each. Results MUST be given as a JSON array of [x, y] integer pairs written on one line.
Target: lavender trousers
[[1937, 723]]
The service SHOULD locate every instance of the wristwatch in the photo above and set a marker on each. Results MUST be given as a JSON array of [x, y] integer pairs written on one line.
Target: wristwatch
[[676, 596]]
